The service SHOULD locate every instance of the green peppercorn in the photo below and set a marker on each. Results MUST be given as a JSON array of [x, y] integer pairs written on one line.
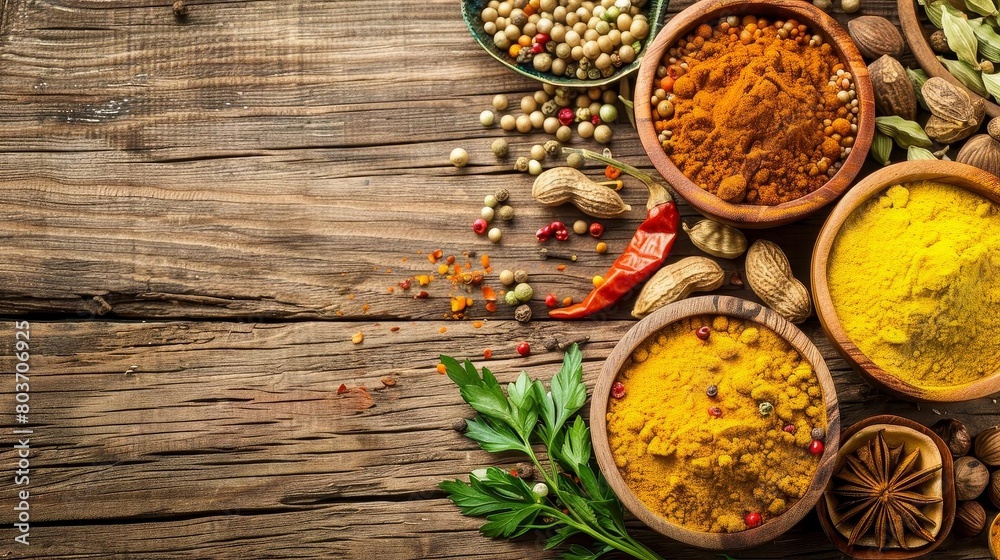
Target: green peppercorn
[[553, 148], [765, 408], [502, 195], [505, 213], [602, 134], [500, 147], [506, 277], [523, 292], [489, 201], [564, 134], [521, 164], [510, 298], [487, 118], [574, 160], [459, 157]]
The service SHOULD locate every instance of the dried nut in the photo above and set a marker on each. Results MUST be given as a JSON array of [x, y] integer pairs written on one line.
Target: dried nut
[[718, 240], [955, 435], [993, 128], [770, 277], [993, 490], [677, 281], [970, 519], [981, 151], [944, 131], [894, 94], [971, 478], [952, 103], [565, 184], [987, 446], [876, 36]]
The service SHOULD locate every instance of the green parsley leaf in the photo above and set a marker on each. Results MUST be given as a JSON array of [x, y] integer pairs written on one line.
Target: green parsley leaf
[[493, 436], [577, 552]]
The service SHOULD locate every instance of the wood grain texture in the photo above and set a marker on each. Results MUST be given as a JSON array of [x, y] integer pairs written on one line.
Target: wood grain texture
[[197, 216]]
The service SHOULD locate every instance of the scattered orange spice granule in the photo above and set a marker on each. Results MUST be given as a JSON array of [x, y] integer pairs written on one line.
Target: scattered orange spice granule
[[477, 324], [487, 354], [441, 369], [443, 330]]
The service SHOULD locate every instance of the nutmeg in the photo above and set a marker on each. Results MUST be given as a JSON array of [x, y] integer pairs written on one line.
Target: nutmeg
[[982, 151], [970, 518], [955, 435], [987, 446], [894, 93], [971, 478], [876, 36], [993, 490]]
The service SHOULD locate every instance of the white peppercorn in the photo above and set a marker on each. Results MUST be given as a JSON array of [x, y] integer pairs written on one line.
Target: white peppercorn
[[580, 227], [494, 235], [537, 119], [575, 160], [522, 313], [534, 167], [550, 125], [523, 123], [585, 129], [602, 134], [500, 102], [487, 118], [528, 104], [520, 276], [500, 147], [538, 152], [459, 157], [508, 122], [506, 277], [487, 213]]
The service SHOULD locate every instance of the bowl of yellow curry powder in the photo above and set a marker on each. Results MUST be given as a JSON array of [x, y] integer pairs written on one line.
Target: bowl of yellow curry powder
[[715, 421], [757, 113], [906, 279]]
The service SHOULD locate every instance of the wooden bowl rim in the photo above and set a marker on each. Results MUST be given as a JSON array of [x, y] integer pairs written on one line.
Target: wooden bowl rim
[[655, 10], [748, 215], [747, 311], [948, 491], [950, 172], [993, 543], [909, 21]]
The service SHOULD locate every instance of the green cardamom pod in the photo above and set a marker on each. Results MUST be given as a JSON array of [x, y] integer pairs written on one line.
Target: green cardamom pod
[[982, 7], [934, 11], [961, 38], [968, 75], [881, 148], [989, 40], [917, 78], [992, 84], [915, 152], [905, 133]]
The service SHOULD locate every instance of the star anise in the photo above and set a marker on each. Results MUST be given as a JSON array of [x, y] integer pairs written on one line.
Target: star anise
[[878, 492]]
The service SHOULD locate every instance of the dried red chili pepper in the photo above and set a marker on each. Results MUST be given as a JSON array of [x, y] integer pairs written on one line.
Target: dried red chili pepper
[[646, 252]]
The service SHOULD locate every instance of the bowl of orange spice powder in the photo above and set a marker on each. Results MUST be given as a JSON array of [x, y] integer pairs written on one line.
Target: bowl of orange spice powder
[[716, 422], [757, 113]]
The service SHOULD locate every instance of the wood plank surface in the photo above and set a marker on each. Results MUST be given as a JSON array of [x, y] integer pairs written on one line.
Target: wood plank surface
[[199, 214]]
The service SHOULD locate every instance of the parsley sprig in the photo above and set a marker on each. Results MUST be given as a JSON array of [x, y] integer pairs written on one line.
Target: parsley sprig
[[575, 500]]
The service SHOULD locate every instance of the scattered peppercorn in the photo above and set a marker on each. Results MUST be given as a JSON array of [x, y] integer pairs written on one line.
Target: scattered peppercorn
[[487, 118], [495, 235], [500, 148], [479, 226], [580, 227], [597, 280], [712, 391], [596, 230], [817, 433], [520, 276], [601, 248], [490, 200], [487, 354], [506, 277], [574, 160], [180, 9], [358, 337], [790, 428], [752, 519], [703, 332], [715, 412], [816, 447], [459, 157], [765, 408], [510, 298], [551, 301], [617, 389], [523, 292], [522, 314], [500, 102], [505, 213], [524, 349]]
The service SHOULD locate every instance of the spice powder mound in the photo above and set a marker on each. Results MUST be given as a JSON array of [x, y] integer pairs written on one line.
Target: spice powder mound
[[714, 430], [754, 111], [914, 277]]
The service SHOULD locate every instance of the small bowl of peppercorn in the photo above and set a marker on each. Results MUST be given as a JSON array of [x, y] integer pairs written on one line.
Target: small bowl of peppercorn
[[593, 45], [757, 113], [716, 422]]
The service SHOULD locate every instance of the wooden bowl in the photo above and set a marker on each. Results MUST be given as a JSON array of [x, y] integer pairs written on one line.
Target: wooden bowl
[[748, 215], [905, 429], [968, 177], [993, 534], [471, 13], [650, 326], [917, 38]]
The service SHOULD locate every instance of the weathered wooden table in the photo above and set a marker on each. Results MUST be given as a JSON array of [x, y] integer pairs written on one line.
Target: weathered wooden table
[[197, 216]]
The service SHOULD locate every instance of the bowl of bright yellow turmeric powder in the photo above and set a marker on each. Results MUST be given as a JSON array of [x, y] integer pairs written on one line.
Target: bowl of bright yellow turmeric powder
[[716, 422], [757, 113], [906, 279]]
